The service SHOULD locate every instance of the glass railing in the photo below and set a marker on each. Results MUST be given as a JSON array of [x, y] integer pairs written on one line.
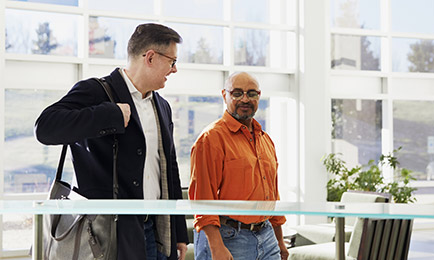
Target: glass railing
[[214, 207], [217, 207]]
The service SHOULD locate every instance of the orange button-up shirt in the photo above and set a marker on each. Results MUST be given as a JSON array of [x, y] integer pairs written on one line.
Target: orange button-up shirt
[[228, 163]]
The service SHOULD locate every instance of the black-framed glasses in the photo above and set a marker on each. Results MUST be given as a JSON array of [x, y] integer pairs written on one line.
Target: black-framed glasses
[[173, 59], [238, 94]]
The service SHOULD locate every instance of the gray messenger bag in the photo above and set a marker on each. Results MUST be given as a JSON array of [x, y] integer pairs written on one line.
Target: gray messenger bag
[[80, 237]]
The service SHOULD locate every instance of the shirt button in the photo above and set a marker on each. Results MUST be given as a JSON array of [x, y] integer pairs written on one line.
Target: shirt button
[[244, 127], [251, 139], [136, 183], [139, 152], [267, 197], [263, 177]]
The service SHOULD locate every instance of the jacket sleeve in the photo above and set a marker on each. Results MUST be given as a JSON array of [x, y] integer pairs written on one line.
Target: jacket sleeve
[[85, 112]]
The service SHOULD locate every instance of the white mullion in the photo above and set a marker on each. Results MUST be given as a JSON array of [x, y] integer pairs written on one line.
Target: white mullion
[[425, 36], [158, 7], [42, 58], [357, 32], [83, 68], [229, 50], [387, 107], [412, 75], [296, 93], [123, 15], [387, 129], [387, 58], [210, 22]]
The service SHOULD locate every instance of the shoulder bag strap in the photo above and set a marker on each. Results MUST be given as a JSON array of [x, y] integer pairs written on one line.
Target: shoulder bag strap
[[61, 163], [109, 93]]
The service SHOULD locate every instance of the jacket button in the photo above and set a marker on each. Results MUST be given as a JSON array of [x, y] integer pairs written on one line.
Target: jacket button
[[139, 152], [136, 183], [102, 132]]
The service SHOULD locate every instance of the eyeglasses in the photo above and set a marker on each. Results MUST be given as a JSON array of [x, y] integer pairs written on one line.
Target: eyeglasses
[[164, 55], [238, 94], [173, 59]]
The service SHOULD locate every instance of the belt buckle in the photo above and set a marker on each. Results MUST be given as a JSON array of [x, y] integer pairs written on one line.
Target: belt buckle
[[259, 226], [252, 226]]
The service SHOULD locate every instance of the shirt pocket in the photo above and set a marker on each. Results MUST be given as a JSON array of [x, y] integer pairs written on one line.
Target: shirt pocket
[[237, 180]]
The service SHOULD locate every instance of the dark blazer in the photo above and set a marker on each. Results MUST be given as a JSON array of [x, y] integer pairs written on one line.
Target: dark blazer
[[86, 120]]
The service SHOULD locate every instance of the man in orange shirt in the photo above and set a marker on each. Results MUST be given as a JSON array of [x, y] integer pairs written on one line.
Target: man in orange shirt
[[234, 159]]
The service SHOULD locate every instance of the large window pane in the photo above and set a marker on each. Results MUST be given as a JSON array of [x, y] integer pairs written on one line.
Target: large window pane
[[191, 114], [356, 129], [355, 52], [201, 43], [251, 47], [28, 165], [251, 11], [413, 130], [412, 55], [355, 14], [210, 9], [413, 16], [17, 231], [108, 37], [31, 32], [131, 6], [55, 2]]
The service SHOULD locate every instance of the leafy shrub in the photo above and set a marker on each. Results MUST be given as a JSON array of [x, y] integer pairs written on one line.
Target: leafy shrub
[[369, 178]]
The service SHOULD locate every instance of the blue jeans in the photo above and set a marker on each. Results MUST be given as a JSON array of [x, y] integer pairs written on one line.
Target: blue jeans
[[151, 246], [242, 243]]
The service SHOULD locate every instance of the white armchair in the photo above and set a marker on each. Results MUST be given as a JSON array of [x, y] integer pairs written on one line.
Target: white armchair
[[323, 233], [381, 239]]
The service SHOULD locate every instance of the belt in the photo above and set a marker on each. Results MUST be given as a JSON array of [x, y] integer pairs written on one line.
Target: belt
[[237, 224]]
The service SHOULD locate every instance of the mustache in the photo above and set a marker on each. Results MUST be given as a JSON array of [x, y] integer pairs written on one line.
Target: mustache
[[244, 104]]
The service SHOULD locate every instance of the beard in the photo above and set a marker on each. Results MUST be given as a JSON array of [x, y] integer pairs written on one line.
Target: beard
[[246, 116]]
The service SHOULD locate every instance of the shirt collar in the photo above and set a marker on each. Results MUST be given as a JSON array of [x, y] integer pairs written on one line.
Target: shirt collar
[[234, 125], [131, 87]]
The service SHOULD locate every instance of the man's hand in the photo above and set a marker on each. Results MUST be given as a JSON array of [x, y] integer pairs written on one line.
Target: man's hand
[[182, 250], [284, 253], [126, 112], [215, 241]]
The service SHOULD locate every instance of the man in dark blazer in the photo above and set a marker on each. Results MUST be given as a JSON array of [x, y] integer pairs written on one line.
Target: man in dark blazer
[[87, 120]]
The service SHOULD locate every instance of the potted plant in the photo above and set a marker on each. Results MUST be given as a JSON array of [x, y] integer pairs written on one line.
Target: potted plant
[[369, 178]]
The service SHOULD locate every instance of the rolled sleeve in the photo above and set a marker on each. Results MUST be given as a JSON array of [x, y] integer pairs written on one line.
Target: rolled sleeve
[[277, 220], [201, 221]]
